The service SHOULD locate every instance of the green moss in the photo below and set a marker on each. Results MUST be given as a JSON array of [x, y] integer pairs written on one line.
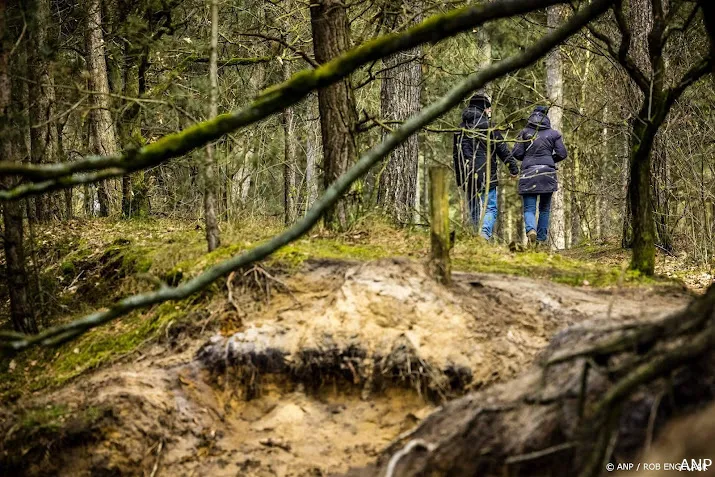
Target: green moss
[[104, 344], [136, 261], [44, 418], [68, 268]]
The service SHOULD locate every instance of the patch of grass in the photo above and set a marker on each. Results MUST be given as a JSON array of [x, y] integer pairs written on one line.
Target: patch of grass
[[124, 336]]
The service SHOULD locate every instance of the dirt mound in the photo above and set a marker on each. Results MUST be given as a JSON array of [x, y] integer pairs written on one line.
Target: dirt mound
[[383, 323], [327, 372]]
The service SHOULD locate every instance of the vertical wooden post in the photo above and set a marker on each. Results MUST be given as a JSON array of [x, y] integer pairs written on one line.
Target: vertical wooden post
[[440, 264]]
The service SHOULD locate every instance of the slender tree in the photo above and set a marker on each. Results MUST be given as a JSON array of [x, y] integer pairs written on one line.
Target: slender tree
[[12, 238], [290, 146], [211, 222], [43, 133], [102, 134], [555, 94]]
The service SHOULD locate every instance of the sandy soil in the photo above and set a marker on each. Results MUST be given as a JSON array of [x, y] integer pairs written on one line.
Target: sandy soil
[[188, 413]]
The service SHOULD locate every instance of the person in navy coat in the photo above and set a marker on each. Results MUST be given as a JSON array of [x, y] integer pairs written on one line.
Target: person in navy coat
[[476, 148], [539, 148]]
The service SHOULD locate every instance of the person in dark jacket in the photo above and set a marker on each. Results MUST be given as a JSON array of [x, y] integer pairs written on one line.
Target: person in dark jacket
[[540, 149], [472, 145]]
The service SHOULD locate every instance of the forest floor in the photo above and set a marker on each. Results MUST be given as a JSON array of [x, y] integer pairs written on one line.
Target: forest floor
[[308, 364]]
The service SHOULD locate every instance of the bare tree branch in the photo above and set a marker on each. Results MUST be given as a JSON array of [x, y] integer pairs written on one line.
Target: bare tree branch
[[62, 333], [271, 101], [697, 71]]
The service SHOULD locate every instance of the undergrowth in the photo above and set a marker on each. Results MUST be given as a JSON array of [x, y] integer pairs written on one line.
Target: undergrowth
[[84, 265]]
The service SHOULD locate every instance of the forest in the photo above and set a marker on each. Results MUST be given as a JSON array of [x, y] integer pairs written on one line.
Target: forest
[[357, 237]]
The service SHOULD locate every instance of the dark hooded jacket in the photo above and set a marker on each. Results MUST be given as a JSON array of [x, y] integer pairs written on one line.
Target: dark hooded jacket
[[470, 151], [539, 148]]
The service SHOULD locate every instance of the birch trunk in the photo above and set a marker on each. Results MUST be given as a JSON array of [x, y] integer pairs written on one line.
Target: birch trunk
[[290, 149], [312, 157], [555, 94], [212, 232]]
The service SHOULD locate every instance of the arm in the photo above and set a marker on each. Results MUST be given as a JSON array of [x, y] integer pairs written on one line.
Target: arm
[[467, 148], [519, 149], [504, 154], [559, 153]]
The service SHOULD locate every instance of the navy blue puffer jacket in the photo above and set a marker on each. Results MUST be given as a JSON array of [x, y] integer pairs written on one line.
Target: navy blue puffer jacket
[[539, 148]]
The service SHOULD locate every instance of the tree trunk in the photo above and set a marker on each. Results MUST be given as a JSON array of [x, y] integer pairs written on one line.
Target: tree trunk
[[400, 98], [212, 232], [102, 134], [312, 153], [661, 191], [640, 17], [17, 279], [331, 37], [601, 203], [135, 193], [43, 133], [61, 156], [555, 94], [640, 190], [289, 158], [627, 226], [578, 209]]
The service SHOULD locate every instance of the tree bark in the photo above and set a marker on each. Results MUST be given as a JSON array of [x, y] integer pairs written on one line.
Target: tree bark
[[336, 103], [43, 133], [555, 94], [601, 203], [212, 232], [69, 211], [135, 193], [640, 18], [400, 98], [102, 134], [290, 148], [312, 157], [640, 190], [17, 278]]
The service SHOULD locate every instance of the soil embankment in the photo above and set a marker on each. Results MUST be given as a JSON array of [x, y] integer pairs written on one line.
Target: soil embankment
[[342, 359]]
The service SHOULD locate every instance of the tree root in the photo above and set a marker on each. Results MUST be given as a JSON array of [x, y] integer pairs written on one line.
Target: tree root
[[595, 396]]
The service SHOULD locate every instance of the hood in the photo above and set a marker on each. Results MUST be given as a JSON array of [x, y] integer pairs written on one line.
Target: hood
[[475, 118], [538, 120]]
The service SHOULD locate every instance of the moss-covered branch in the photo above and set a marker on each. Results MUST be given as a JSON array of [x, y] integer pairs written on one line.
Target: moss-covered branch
[[75, 328], [270, 101]]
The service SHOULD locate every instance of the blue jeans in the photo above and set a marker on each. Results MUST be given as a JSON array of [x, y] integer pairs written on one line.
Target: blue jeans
[[542, 228], [490, 216]]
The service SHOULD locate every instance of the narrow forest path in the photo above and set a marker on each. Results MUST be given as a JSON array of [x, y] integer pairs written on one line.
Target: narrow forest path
[[341, 358]]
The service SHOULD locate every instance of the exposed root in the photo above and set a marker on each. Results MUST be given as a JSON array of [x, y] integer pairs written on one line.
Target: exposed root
[[603, 383]]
